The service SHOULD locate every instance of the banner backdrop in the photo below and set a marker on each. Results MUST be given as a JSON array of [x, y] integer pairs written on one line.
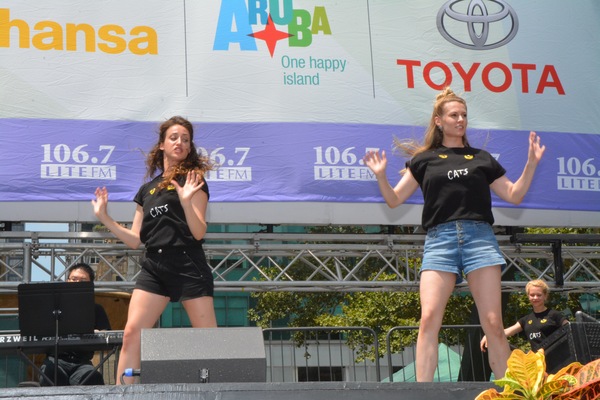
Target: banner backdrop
[[287, 96]]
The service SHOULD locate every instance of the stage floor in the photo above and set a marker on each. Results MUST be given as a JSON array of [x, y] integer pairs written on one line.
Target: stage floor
[[258, 391]]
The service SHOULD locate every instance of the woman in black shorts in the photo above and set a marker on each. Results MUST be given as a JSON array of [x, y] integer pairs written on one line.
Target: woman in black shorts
[[170, 220]]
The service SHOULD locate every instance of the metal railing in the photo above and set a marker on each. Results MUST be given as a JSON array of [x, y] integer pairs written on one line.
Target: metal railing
[[303, 354], [321, 353], [300, 354], [459, 355]]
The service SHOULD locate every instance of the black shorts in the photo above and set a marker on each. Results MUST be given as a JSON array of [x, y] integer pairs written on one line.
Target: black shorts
[[180, 273]]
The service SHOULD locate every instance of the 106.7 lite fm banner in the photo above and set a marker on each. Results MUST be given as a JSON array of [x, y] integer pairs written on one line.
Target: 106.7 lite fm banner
[[288, 95]]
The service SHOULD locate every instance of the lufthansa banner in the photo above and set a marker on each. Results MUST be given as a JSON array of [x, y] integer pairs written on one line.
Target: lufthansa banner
[[287, 95]]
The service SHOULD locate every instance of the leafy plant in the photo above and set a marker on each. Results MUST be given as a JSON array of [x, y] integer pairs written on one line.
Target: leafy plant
[[526, 379]]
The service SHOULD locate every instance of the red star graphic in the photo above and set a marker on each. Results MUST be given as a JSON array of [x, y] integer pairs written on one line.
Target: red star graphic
[[270, 35]]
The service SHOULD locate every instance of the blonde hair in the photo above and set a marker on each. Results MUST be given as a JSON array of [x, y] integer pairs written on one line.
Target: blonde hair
[[433, 135], [538, 283]]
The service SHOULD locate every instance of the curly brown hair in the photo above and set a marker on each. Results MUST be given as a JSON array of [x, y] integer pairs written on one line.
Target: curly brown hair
[[193, 162]]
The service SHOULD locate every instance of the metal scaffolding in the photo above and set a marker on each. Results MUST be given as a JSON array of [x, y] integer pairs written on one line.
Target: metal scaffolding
[[298, 262]]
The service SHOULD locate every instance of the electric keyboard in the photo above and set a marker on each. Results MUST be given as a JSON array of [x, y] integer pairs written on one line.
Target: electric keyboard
[[102, 340]]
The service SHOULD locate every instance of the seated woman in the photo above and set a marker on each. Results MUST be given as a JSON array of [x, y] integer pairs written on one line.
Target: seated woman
[[539, 324]]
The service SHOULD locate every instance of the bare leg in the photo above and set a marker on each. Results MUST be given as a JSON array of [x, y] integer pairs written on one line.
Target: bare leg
[[144, 310], [435, 288], [485, 286], [201, 312]]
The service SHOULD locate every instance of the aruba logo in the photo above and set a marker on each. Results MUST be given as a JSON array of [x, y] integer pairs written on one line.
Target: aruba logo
[[236, 19]]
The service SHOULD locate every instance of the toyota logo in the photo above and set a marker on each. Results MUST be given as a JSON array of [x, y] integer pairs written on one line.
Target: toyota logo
[[480, 27]]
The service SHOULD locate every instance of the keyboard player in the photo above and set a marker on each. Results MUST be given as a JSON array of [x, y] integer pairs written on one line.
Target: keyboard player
[[75, 367]]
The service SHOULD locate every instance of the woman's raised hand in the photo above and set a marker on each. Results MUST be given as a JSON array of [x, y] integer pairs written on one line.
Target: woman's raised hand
[[101, 202], [193, 183], [376, 162], [536, 150]]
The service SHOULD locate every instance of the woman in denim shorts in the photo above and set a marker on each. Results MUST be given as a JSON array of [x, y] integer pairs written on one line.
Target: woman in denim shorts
[[456, 179], [170, 220]]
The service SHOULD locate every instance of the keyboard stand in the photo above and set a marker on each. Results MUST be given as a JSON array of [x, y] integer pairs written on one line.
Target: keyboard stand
[[102, 361], [37, 369]]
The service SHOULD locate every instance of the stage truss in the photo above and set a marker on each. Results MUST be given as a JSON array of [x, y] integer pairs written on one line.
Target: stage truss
[[251, 262]]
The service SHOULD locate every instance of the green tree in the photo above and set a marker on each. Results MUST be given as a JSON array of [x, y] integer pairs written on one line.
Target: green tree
[[378, 310], [383, 310]]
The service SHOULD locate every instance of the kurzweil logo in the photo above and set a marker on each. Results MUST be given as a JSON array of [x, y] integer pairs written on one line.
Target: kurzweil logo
[[477, 24]]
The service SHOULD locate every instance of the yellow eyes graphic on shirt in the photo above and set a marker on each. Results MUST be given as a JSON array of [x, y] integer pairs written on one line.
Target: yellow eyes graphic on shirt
[[542, 321], [467, 156], [170, 187]]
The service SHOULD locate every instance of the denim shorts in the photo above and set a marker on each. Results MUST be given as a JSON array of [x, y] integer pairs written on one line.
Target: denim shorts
[[461, 247]]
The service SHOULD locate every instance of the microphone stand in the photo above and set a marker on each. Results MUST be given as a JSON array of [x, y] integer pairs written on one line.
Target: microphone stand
[[57, 312]]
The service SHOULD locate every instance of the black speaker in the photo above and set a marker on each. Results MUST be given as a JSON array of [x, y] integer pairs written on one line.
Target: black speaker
[[576, 341], [202, 355], [559, 349]]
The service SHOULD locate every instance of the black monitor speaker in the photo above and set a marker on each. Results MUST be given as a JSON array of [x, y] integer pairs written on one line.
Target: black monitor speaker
[[202, 355]]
